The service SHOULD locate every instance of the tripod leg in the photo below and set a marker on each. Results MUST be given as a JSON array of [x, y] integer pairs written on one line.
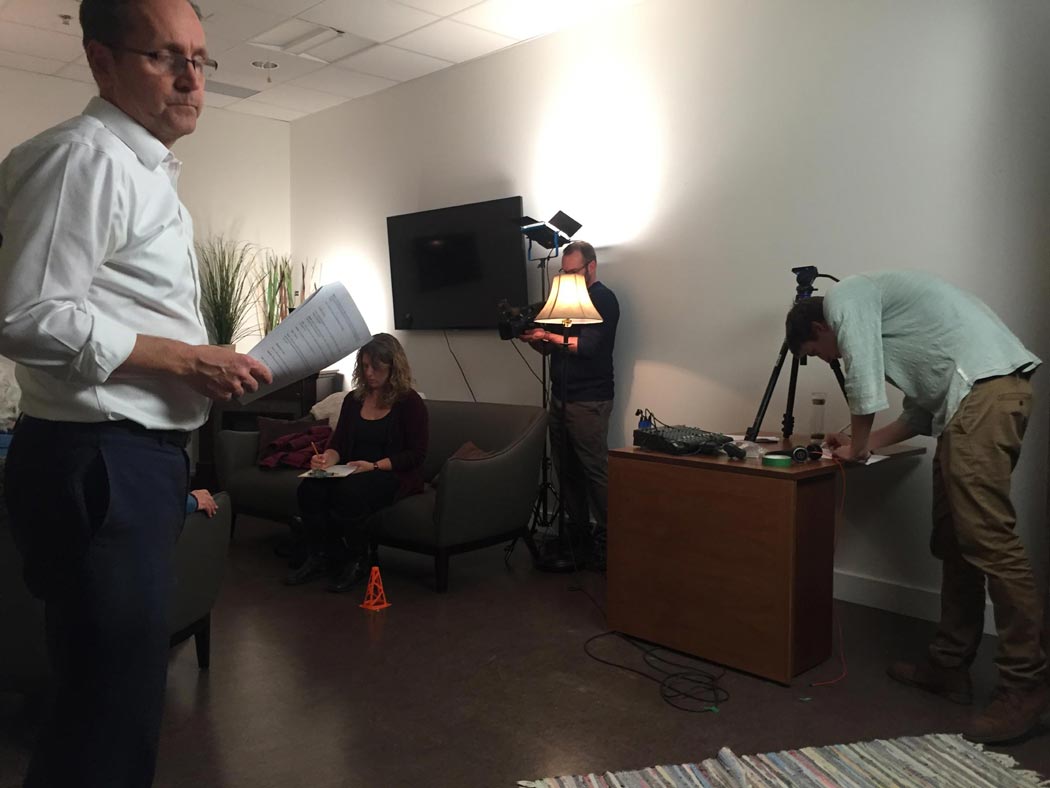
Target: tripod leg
[[838, 376], [789, 414], [752, 433]]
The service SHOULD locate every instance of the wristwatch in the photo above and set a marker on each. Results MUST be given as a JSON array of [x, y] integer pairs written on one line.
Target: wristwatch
[[375, 466]]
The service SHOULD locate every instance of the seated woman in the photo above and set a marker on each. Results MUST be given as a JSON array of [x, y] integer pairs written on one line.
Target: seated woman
[[382, 432]]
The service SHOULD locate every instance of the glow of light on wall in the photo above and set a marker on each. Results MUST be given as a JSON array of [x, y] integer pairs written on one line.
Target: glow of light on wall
[[600, 156], [361, 277]]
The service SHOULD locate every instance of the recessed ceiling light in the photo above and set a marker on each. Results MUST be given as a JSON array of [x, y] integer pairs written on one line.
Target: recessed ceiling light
[[267, 66]]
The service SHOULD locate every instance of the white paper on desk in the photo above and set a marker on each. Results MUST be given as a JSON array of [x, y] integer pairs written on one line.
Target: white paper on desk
[[326, 328], [872, 458], [759, 439], [331, 472]]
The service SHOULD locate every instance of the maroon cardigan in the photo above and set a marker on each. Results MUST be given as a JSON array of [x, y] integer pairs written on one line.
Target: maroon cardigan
[[406, 445]]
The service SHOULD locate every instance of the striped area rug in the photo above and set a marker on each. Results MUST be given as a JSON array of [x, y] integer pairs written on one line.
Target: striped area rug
[[927, 761]]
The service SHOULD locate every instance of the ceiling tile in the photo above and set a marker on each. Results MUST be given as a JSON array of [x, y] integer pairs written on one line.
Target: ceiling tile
[[41, 65], [238, 22], [338, 48], [299, 98], [236, 67], [252, 106], [44, 14], [77, 72], [39, 43], [282, 7], [286, 31], [343, 82], [439, 7], [218, 45], [218, 100], [379, 20], [453, 41], [393, 63], [512, 18]]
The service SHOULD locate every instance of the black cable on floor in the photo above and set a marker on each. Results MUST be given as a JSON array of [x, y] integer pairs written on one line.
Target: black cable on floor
[[691, 688], [461, 372]]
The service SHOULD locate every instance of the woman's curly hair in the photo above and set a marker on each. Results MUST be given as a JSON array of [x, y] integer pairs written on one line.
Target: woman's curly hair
[[384, 349]]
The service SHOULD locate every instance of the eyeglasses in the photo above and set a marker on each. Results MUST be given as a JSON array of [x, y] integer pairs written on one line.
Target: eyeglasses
[[574, 270], [173, 63]]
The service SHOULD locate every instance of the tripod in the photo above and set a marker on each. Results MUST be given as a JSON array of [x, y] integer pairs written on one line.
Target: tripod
[[542, 516], [804, 276]]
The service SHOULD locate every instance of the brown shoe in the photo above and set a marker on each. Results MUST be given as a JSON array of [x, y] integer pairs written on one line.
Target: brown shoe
[[951, 683], [1010, 715]]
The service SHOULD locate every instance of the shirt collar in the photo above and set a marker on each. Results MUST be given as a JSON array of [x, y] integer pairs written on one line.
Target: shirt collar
[[150, 151]]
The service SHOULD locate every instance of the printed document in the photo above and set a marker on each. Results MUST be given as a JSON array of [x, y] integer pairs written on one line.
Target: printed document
[[327, 327]]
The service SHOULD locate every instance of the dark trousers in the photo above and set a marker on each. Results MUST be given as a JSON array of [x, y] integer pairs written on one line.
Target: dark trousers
[[974, 536], [582, 429], [334, 511], [95, 512]]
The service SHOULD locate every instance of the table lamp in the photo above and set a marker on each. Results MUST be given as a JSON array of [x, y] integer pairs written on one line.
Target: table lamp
[[569, 305]]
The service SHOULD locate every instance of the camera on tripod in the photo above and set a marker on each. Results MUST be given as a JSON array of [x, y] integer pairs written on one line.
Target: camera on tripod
[[513, 321], [805, 276]]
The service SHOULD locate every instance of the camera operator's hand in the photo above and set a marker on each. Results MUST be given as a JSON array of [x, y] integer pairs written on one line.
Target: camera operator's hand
[[836, 439], [534, 335]]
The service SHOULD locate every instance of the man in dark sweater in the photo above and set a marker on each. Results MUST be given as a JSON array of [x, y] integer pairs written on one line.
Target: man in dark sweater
[[581, 423]]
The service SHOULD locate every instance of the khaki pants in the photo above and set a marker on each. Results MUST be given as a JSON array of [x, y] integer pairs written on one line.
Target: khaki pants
[[582, 428], [974, 536]]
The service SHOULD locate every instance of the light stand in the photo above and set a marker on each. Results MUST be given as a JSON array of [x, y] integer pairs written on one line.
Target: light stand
[[804, 276], [569, 304], [551, 235]]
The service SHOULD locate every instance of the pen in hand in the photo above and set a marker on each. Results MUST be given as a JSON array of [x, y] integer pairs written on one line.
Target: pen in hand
[[317, 462]]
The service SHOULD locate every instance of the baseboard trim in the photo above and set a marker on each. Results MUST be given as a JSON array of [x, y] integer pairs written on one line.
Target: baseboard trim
[[922, 603]]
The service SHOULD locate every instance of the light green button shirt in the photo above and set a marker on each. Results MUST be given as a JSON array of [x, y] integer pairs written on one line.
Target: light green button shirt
[[928, 338]]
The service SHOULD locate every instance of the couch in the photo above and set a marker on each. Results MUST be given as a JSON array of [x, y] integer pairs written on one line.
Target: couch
[[467, 503], [200, 561]]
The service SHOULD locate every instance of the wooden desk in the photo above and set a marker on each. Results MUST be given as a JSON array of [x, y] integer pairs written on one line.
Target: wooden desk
[[725, 559]]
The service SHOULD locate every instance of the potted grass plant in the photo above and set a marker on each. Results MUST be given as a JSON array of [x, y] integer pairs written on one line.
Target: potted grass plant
[[276, 296], [227, 271]]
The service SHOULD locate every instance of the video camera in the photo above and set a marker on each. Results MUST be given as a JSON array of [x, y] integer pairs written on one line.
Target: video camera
[[514, 321], [804, 277]]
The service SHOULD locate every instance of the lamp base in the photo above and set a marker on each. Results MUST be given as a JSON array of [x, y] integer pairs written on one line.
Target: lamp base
[[554, 555], [558, 563]]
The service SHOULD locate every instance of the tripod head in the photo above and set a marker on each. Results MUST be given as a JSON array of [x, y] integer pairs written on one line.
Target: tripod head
[[804, 277]]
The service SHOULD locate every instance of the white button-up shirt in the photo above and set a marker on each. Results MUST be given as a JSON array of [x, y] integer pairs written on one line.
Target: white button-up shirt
[[97, 248]]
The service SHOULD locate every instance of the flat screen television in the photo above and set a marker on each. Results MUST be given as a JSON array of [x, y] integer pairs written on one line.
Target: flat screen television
[[450, 267]]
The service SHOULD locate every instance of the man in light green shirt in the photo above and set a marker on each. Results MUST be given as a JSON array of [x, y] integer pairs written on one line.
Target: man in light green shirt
[[965, 379]]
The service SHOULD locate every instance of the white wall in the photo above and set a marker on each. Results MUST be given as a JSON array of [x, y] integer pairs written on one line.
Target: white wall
[[236, 174], [707, 148]]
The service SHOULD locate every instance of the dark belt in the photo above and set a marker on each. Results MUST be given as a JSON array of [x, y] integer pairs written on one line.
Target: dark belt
[[179, 438]]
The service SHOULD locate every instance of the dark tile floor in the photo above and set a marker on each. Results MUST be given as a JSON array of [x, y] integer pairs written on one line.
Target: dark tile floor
[[482, 686]]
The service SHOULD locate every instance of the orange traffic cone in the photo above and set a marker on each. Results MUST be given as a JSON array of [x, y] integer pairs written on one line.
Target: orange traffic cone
[[375, 597]]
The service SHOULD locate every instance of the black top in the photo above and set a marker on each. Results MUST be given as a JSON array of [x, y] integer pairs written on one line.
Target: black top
[[370, 438], [590, 368], [408, 433]]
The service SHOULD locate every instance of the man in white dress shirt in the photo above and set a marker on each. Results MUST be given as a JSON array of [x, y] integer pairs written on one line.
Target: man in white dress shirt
[[99, 308]]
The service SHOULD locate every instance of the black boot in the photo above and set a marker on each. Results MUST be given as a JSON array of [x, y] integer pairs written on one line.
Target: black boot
[[597, 560], [355, 570], [315, 566]]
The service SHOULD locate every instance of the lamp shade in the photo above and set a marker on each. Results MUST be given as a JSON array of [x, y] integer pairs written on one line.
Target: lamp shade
[[569, 303]]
